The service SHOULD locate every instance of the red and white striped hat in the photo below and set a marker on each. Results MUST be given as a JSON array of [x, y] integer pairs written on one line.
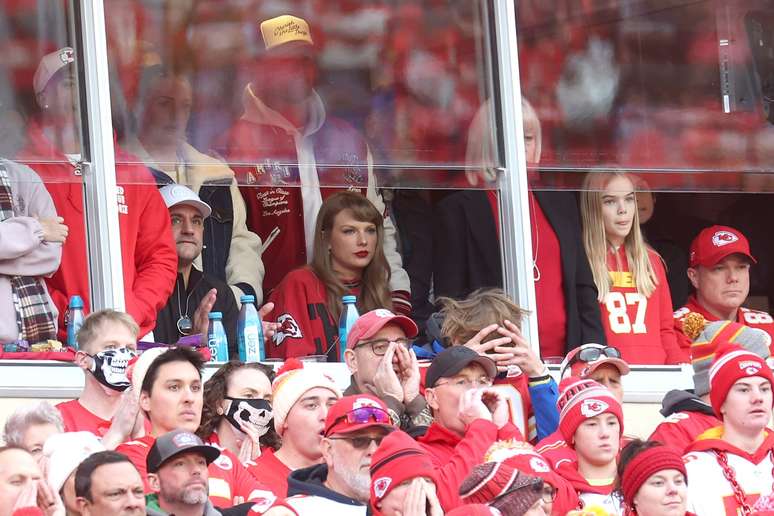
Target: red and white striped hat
[[732, 363], [581, 399]]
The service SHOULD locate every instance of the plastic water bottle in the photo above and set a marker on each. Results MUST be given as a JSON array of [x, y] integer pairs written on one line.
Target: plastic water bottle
[[250, 332], [74, 320], [216, 338], [348, 317]]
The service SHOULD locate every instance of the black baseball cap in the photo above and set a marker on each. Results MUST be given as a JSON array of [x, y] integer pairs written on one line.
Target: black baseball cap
[[174, 443], [453, 360]]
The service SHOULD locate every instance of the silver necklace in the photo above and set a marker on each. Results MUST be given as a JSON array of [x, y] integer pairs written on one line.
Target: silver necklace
[[184, 323], [535, 268]]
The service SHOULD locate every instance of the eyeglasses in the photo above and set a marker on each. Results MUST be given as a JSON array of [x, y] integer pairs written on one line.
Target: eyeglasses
[[465, 384], [594, 353], [380, 346], [362, 442]]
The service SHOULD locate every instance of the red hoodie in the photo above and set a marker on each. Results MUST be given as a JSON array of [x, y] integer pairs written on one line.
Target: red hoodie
[[590, 495], [682, 428], [147, 248], [455, 456]]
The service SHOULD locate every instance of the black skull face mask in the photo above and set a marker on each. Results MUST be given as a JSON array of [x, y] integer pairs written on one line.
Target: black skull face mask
[[109, 367], [254, 412]]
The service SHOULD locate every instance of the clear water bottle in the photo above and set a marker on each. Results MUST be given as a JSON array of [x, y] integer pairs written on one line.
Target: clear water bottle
[[250, 332], [216, 338], [74, 320], [348, 317]]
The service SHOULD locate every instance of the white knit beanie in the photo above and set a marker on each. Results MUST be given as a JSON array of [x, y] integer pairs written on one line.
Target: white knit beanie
[[291, 382], [139, 365], [65, 452]]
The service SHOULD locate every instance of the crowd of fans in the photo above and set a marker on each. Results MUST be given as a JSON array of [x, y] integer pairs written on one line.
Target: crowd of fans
[[449, 409]]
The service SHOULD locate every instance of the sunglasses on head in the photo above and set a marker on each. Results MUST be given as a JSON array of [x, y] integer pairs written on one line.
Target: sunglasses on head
[[592, 354], [361, 415]]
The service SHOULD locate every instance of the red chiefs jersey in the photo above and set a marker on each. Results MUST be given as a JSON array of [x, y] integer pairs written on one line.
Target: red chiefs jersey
[[229, 482], [680, 429], [641, 327], [746, 316]]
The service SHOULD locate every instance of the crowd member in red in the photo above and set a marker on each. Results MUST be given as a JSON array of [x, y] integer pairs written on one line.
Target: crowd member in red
[[169, 381], [301, 399], [688, 414], [403, 478], [382, 363], [564, 286], [348, 258], [501, 486], [633, 290], [163, 110], [285, 139], [469, 416], [177, 473], [719, 270], [488, 322], [525, 459], [54, 151], [237, 413], [107, 341], [592, 424], [604, 365], [23, 491], [730, 467], [652, 480], [354, 429]]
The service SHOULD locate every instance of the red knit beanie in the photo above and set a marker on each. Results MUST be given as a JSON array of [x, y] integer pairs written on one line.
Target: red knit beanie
[[732, 363], [580, 400], [645, 464], [398, 458]]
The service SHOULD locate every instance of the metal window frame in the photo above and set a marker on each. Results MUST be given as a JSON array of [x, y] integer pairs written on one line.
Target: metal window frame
[[106, 278]]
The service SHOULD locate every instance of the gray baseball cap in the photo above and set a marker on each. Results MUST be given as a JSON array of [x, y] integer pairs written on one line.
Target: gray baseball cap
[[174, 443]]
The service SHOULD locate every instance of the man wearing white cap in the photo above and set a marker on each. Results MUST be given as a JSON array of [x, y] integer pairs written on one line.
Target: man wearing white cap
[[196, 294], [285, 138], [54, 150]]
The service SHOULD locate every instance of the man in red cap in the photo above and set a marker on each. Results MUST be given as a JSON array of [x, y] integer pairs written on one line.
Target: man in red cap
[[382, 363], [602, 364], [354, 429], [730, 466], [719, 270]]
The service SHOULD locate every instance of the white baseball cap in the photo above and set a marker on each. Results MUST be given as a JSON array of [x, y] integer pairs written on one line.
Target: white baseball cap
[[49, 65], [175, 194]]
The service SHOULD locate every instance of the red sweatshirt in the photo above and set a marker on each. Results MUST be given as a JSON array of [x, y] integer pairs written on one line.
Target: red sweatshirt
[[229, 482], [680, 429], [751, 318], [147, 249], [455, 456], [641, 327]]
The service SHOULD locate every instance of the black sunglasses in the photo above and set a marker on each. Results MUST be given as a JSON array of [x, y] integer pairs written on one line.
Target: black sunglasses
[[594, 353]]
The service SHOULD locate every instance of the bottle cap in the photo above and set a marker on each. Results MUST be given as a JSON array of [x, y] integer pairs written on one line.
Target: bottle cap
[[349, 299], [215, 315], [76, 302], [247, 298]]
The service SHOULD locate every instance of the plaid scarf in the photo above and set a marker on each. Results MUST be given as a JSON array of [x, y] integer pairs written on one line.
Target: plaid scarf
[[30, 299]]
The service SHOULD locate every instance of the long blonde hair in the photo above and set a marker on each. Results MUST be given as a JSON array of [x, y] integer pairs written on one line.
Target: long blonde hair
[[374, 289], [596, 244]]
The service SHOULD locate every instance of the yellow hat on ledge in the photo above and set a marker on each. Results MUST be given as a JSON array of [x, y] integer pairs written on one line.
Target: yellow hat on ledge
[[285, 29]]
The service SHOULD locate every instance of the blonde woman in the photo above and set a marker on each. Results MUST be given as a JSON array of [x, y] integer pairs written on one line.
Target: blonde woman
[[348, 259], [633, 291]]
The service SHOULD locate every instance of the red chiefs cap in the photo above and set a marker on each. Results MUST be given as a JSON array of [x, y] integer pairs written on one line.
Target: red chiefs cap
[[370, 323], [356, 412], [715, 243]]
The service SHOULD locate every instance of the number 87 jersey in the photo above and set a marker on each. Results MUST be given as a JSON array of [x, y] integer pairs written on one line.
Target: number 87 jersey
[[642, 328]]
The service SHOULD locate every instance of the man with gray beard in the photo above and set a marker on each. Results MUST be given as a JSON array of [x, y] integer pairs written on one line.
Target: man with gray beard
[[354, 428], [177, 474]]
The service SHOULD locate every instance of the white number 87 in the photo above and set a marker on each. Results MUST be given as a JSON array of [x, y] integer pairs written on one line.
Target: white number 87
[[617, 304]]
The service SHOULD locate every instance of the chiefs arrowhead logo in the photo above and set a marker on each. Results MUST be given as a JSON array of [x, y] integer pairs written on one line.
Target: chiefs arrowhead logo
[[364, 402], [288, 329], [721, 238], [750, 367], [380, 486], [592, 407], [538, 465]]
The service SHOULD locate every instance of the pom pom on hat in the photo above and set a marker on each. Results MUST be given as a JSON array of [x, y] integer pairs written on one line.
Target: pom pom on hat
[[709, 336], [292, 381]]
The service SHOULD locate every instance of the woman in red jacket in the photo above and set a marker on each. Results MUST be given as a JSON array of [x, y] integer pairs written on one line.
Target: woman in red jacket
[[348, 258], [633, 292]]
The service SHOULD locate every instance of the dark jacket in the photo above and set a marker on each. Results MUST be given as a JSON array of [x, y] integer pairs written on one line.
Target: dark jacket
[[584, 323], [310, 482], [198, 285]]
